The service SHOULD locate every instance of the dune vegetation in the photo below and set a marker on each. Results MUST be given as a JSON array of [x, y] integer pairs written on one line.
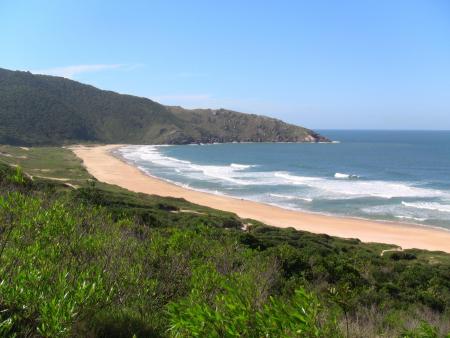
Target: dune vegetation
[[79, 258]]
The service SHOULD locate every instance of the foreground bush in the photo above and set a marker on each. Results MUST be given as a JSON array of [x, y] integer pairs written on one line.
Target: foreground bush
[[52, 269], [230, 306], [74, 265]]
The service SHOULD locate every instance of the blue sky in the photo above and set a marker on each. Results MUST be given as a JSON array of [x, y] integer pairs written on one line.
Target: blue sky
[[323, 64]]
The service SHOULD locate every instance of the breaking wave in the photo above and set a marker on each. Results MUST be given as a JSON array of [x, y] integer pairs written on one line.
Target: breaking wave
[[428, 206], [359, 188], [229, 173], [411, 218], [344, 193], [236, 173], [345, 176], [242, 166], [291, 197]]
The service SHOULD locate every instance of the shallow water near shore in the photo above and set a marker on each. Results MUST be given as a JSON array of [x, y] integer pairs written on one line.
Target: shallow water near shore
[[401, 176]]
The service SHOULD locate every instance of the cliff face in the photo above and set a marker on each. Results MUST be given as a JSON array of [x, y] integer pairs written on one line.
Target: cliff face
[[47, 110]]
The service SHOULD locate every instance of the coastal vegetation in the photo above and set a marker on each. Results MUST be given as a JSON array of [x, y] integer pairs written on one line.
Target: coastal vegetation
[[48, 110], [82, 258]]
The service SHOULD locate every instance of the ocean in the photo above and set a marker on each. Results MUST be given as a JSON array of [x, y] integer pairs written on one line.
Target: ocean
[[401, 176]]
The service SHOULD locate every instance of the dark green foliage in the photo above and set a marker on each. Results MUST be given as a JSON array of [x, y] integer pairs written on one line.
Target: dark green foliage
[[47, 110], [100, 261], [424, 330], [47, 271], [14, 179], [233, 307], [154, 211], [402, 255]]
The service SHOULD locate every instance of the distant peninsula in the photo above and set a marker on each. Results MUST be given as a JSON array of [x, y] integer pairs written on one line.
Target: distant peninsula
[[49, 110]]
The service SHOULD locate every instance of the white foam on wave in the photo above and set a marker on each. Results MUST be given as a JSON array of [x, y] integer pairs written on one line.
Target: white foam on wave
[[345, 176], [406, 213], [319, 187], [398, 211], [295, 178], [428, 206], [359, 188], [150, 153], [242, 166], [292, 197], [288, 197], [417, 219], [236, 176], [225, 173], [229, 173]]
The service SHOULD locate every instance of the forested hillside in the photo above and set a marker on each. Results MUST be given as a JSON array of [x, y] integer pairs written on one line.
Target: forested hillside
[[48, 110]]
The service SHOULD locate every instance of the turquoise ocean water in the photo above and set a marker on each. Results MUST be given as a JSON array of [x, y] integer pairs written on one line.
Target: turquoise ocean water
[[401, 176]]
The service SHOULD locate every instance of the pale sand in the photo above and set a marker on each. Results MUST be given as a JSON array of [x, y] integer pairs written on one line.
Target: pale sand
[[107, 168]]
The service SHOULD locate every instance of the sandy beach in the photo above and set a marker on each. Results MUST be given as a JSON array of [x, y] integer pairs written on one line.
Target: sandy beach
[[109, 169]]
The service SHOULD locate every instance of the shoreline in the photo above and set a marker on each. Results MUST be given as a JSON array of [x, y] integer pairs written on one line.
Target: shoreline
[[318, 213], [107, 168]]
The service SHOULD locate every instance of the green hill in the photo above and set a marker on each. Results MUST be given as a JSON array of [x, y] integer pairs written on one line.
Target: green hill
[[48, 110]]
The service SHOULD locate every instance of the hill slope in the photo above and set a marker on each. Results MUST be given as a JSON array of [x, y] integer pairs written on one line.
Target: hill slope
[[39, 109]]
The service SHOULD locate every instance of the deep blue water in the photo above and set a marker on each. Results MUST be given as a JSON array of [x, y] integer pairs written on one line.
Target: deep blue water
[[387, 175]]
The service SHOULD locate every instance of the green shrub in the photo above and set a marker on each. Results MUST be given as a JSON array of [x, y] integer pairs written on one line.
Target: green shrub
[[103, 262], [47, 280], [226, 306], [424, 330]]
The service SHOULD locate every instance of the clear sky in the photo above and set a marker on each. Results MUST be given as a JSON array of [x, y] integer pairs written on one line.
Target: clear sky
[[323, 64]]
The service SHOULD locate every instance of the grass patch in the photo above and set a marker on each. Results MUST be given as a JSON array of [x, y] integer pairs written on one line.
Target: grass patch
[[46, 162]]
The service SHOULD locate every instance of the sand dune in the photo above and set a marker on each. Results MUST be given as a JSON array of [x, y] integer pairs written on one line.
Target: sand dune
[[107, 168]]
